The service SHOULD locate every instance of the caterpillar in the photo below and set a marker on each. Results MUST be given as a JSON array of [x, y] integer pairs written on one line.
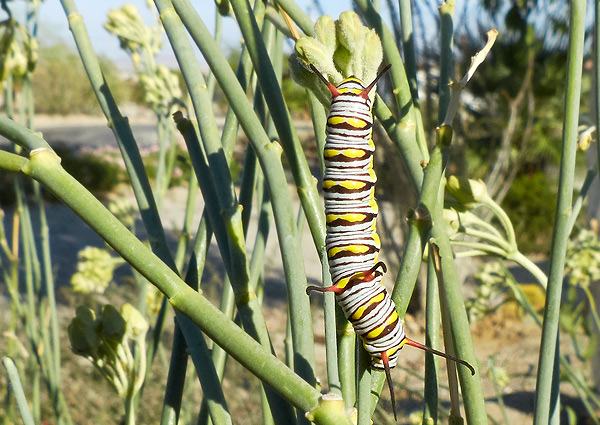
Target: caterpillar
[[352, 242]]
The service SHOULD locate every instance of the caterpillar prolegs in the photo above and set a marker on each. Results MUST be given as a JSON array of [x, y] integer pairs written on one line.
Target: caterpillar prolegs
[[352, 242]]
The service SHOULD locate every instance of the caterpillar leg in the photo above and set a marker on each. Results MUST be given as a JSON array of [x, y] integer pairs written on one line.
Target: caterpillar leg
[[388, 376], [333, 288], [370, 274], [367, 276]]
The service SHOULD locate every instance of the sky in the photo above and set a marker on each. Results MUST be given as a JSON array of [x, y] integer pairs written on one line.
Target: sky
[[54, 25]]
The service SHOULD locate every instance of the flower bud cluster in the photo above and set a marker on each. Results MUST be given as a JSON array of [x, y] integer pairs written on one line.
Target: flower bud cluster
[[161, 90], [467, 193], [134, 35], [95, 270], [105, 341], [582, 262], [18, 50], [339, 49]]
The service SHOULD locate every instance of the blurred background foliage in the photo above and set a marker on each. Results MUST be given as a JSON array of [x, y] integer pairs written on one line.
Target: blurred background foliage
[[71, 93], [508, 132]]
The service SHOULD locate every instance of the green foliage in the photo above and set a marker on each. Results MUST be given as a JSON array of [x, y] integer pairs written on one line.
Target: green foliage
[[530, 204], [62, 86]]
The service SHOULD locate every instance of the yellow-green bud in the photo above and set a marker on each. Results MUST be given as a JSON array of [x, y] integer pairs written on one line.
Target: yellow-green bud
[[83, 333], [466, 191], [452, 221], [113, 324], [137, 325], [338, 50], [325, 33]]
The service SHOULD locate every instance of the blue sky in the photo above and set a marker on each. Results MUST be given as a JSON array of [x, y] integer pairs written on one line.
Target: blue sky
[[54, 25]]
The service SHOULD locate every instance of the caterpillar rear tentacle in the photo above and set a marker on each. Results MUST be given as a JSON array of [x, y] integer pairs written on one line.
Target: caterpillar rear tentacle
[[416, 344], [352, 242]]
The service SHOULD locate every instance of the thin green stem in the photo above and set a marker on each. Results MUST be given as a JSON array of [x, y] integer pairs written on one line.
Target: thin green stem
[[174, 387], [432, 339], [17, 388], [346, 348], [578, 204], [271, 165], [402, 90], [546, 384], [596, 58], [463, 344], [455, 416], [486, 236], [44, 166], [446, 11], [498, 391], [410, 61], [504, 221], [531, 267], [363, 402]]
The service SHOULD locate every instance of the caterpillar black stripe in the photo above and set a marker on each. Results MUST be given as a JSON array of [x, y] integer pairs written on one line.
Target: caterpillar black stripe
[[352, 242]]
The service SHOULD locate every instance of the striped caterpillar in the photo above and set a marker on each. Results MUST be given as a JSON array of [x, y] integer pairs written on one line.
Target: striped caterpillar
[[352, 242]]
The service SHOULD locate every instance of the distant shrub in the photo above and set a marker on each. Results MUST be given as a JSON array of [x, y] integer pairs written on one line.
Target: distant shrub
[[530, 204], [182, 166], [98, 172], [61, 85]]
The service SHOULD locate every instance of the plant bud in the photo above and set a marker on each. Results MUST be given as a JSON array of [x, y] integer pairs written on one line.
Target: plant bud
[[137, 325], [338, 50], [452, 221], [83, 333], [466, 191], [113, 324]]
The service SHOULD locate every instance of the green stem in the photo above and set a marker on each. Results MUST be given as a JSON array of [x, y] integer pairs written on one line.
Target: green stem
[[45, 167], [363, 402], [451, 368], [268, 156], [446, 11], [129, 151], [578, 204], [432, 339], [49, 279], [402, 90], [486, 236], [307, 191], [130, 410], [17, 388], [472, 390], [546, 385], [346, 340], [531, 267], [504, 221], [174, 389], [408, 46], [498, 391], [246, 301]]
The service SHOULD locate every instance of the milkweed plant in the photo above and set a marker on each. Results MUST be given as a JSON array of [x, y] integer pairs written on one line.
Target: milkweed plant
[[124, 343]]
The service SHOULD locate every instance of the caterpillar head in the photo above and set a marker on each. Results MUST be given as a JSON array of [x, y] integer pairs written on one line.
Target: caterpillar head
[[364, 93]]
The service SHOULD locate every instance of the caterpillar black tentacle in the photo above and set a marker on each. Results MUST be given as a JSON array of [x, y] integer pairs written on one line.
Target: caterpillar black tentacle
[[352, 242]]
